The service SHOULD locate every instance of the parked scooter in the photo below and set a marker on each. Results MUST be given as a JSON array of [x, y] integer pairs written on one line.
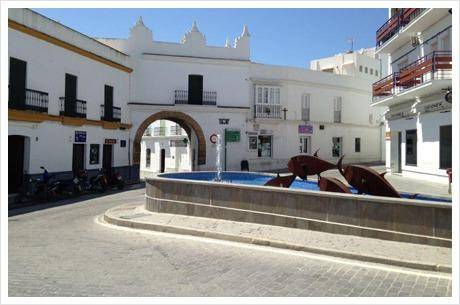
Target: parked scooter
[[100, 181], [38, 189], [116, 180]]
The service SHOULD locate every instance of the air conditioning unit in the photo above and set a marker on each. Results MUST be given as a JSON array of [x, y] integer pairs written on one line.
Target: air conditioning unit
[[415, 41]]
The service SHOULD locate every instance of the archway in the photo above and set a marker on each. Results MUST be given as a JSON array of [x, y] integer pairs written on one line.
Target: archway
[[184, 120]]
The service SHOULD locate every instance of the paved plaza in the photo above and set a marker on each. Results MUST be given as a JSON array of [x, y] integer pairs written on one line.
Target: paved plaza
[[64, 251]]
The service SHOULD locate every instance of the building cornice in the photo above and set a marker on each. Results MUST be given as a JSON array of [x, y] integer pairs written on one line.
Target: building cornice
[[60, 43], [187, 108], [37, 117]]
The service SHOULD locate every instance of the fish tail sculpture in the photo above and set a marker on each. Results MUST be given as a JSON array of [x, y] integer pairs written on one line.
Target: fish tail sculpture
[[279, 181]]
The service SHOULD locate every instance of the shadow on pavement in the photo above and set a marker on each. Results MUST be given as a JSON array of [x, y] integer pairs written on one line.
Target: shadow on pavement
[[29, 207]]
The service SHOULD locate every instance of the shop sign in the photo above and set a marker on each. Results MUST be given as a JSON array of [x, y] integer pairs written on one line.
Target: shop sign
[[232, 135], [224, 121], [110, 141], [80, 136], [306, 129]]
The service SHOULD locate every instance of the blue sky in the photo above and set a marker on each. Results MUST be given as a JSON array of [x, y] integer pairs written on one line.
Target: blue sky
[[289, 37]]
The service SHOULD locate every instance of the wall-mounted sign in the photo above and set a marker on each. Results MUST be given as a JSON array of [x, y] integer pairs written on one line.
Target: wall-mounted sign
[[388, 135], [110, 141], [122, 143], [232, 135], [80, 136], [94, 154], [213, 138], [306, 129], [224, 121]]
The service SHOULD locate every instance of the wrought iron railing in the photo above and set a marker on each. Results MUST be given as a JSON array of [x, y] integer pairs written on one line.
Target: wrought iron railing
[[75, 108], [34, 100], [395, 23], [209, 97], [433, 66], [116, 114], [267, 111]]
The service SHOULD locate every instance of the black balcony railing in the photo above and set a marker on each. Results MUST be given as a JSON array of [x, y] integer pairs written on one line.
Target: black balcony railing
[[32, 100], [209, 97], [433, 66], [75, 108], [267, 111], [399, 20], [115, 117]]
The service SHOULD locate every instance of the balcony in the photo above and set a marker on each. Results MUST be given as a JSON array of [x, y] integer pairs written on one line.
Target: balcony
[[34, 100], [395, 23], [115, 117], [427, 74], [407, 22], [267, 111], [75, 108], [181, 98]]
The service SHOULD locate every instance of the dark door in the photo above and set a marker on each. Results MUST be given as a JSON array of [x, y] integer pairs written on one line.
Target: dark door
[[162, 161], [78, 158], [445, 146], [399, 152], [15, 163], [70, 94], [195, 89], [108, 102], [17, 97], [107, 159]]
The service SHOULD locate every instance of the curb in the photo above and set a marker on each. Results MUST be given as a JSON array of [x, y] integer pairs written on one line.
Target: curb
[[273, 243]]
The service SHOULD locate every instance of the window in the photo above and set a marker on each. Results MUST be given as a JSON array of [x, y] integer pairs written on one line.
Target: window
[[357, 144], [252, 142], [337, 109], [147, 157], [306, 107], [376, 72], [371, 71], [411, 147], [305, 145], [268, 95], [445, 146], [195, 89], [264, 146], [365, 69], [336, 147], [360, 68]]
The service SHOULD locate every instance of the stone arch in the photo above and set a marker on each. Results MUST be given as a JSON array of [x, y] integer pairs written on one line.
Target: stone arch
[[186, 122]]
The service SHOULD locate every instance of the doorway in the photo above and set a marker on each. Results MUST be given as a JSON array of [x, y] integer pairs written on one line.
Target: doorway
[[15, 163], [17, 82], [162, 160], [107, 159], [399, 166], [445, 146], [305, 145], [70, 95], [336, 147], [78, 158]]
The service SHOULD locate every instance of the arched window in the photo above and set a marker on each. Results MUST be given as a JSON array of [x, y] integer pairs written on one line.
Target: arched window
[[147, 157]]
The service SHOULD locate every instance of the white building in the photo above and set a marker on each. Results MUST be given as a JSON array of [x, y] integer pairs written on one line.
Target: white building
[[419, 119], [269, 113], [164, 148]]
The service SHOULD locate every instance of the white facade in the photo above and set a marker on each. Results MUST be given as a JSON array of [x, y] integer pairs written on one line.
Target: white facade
[[170, 137], [262, 107], [420, 45]]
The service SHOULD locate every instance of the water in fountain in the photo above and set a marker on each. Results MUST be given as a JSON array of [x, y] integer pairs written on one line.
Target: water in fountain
[[218, 158]]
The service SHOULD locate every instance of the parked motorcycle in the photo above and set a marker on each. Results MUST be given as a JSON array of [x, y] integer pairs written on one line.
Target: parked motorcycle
[[38, 189], [116, 180]]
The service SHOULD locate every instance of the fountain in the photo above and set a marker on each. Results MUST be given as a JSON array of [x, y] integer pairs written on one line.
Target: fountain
[[218, 159]]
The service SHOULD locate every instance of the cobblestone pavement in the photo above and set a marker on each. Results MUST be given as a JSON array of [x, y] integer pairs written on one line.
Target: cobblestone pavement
[[62, 251]]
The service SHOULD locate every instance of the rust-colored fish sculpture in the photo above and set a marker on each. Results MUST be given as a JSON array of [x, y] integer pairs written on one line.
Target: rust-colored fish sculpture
[[367, 180], [330, 184], [304, 165], [279, 181]]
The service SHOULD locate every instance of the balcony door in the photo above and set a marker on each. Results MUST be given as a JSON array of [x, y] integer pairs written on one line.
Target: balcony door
[[195, 89], [17, 84], [108, 102], [70, 94]]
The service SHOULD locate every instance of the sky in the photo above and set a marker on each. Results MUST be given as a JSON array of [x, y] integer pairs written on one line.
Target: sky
[[289, 37]]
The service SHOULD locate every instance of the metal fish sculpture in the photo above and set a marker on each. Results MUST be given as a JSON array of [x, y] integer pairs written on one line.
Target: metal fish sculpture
[[304, 165], [279, 181], [330, 184], [367, 180]]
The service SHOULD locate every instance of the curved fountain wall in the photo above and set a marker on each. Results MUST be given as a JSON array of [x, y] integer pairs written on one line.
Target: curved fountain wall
[[407, 220]]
